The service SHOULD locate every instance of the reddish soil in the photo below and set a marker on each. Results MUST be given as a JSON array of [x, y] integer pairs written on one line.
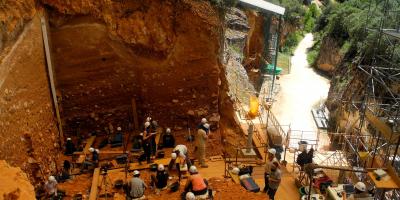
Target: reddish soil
[[14, 183], [28, 129], [162, 53], [225, 188], [255, 43]]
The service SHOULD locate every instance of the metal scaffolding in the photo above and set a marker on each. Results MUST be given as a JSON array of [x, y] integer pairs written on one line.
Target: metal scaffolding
[[374, 140]]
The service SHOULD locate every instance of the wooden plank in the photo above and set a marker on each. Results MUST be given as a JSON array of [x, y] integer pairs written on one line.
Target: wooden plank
[[392, 183], [81, 158], [95, 183], [383, 184], [105, 152], [50, 68], [392, 173], [258, 143], [136, 166], [229, 160], [158, 135], [381, 126], [235, 177], [135, 115], [82, 155], [89, 143]]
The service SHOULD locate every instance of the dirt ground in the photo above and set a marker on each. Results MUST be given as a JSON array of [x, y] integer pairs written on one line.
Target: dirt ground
[[224, 188]]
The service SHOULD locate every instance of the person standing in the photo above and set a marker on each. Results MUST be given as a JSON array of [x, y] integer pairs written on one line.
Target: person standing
[[202, 123], [150, 126], [146, 140], [267, 168], [200, 145], [69, 147], [168, 139], [274, 179], [137, 187]]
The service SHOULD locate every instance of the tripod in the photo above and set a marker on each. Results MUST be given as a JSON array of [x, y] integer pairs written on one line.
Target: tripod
[[105, 181]]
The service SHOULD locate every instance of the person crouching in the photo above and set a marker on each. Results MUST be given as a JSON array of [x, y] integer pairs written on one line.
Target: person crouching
[[196, 184], [137, 187], [160, 180]]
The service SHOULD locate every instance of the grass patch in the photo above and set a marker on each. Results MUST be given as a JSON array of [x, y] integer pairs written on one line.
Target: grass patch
[[312, 56], [284, 62], [292, 41]]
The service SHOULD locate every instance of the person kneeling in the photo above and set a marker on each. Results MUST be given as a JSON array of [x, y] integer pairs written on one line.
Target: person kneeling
[[160, 180], [137, 187], [196, 184]]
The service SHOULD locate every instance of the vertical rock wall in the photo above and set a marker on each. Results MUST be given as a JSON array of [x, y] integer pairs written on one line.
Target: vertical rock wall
[[255, 41], [14, 14], [163, 53], [28, 132]]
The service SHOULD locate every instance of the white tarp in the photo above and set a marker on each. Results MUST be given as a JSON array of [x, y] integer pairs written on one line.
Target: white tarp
[[265, 6]]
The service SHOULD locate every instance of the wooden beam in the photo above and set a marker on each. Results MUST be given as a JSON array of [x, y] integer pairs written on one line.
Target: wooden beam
[[235, 177], [158, 135], [82, 155], [95, 184], [106, 152], [89, 143], [135, 115], [392, 173], [381, 126], [136, 166], [243, 160], [49, 61]]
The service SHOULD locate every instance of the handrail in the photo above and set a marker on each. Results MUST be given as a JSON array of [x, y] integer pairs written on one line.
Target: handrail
[[278, 127]]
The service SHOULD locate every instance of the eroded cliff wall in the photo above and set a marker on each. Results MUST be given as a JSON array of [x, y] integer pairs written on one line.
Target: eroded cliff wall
[[28, 131], [163, 53]]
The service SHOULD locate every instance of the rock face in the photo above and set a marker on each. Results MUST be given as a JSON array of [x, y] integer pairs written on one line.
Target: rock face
[[329, 55], [239, 84], [27, 125], [255, 41], [13, 16], [14, 183], [162, 53]]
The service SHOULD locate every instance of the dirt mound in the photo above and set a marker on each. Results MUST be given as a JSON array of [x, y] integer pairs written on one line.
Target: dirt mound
[[14, 183]]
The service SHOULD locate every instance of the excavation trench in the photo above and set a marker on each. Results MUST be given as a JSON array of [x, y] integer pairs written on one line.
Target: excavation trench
[[171, 67]]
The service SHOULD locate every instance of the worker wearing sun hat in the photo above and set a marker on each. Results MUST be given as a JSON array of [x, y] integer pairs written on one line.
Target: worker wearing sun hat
[[137, 187]]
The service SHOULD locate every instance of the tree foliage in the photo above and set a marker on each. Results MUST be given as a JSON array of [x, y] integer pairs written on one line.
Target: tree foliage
[[347, 23]]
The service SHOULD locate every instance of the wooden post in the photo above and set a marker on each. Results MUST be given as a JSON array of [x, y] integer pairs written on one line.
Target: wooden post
[[135, 115], [50, 74], [95, 183]]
